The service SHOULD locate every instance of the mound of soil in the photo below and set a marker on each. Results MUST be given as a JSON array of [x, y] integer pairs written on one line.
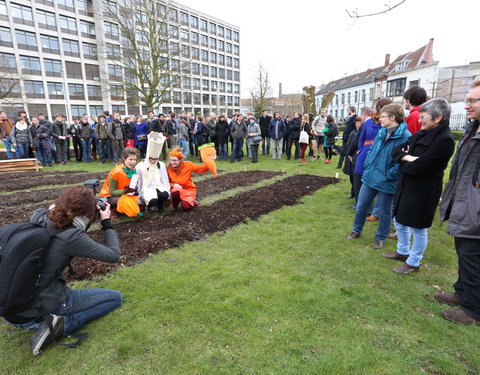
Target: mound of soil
[[143, 237], [30, 174]]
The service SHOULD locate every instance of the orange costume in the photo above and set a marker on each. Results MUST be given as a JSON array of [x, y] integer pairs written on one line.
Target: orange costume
[[127, 204]]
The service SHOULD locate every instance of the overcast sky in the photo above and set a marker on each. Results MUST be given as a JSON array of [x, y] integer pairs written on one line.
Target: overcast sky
[[306, 42]]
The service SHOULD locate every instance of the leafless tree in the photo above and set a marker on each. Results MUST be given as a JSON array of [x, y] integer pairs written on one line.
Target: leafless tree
[[388, 8], [152, 64], [9, 80], [261, 91]]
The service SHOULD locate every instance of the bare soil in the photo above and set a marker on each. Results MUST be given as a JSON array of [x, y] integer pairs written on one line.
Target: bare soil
[[141, 238]]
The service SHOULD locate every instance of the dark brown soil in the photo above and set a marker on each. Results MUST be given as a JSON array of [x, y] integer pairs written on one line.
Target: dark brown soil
[[30, 174], [141, 238]]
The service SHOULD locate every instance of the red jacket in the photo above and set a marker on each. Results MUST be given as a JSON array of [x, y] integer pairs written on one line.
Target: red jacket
[[412, 120]]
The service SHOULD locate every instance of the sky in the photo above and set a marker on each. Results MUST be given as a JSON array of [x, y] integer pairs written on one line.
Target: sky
[[308, 42]]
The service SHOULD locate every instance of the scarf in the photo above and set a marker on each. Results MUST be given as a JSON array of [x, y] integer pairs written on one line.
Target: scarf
[[129, 172]]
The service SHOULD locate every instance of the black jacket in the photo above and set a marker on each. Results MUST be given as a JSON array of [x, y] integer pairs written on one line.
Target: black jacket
[[421, 181], [349, 127], [264, 123], [222, 131], [127, 130], [294, 128]]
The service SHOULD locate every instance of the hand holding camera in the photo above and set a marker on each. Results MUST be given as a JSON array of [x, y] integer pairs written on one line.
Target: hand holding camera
[[103, 210]]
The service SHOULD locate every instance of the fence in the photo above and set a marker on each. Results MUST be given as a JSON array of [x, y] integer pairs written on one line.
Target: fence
[[458, 121]]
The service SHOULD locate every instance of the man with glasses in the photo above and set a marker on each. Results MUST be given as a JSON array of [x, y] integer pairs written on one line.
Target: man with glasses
[[460, 205]]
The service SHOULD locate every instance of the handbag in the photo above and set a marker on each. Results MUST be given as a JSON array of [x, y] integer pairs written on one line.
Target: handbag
[[257, 139], [304, 138], [142, 137]]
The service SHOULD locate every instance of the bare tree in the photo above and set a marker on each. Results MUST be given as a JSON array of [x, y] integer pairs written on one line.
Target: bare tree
[[260, 93], [389, 8], [152, 64], [9, 79]]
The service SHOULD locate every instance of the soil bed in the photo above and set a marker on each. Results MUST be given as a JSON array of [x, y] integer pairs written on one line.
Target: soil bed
[[29, 174], [141, 238]]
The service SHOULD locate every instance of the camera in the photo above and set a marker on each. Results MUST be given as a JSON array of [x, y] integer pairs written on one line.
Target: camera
[[93, 185]]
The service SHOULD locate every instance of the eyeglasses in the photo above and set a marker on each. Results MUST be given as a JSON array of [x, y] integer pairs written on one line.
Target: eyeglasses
[[471, 101], [382, 116], [425, 117]]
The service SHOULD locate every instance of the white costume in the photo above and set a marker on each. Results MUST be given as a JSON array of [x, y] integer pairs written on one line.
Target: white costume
[[152, 177]]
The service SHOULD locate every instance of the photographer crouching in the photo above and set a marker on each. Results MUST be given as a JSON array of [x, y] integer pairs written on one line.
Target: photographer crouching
[[58, 308]]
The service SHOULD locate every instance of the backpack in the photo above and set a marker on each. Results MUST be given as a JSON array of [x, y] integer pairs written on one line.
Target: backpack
[[333, 130], [22, 249]]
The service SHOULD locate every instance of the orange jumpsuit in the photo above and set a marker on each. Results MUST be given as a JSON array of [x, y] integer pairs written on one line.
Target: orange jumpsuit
[[182, 175], [127, 204]]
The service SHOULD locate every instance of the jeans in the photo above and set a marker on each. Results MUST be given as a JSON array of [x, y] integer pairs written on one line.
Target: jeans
[[85, 305], [254, 150], [105, 149], [87, 150], [384, 202], [276, 147], [265, 145], [223, 151], [77, 148], [8, 147], [420, 241], [22, 149], [185, 147], [237, 149], [54, 152], [44, 153]]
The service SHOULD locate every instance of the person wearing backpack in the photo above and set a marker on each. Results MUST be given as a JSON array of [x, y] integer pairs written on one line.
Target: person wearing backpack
[[330, 131], [57, 311]]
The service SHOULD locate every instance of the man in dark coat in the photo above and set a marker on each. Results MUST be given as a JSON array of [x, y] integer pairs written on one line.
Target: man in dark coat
[[264, 123], [349, 127], [460, 204], [423, 158]]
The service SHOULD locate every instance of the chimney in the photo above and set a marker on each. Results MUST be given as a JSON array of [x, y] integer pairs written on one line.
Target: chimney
[[280, 90], [428, 56], [387, 60]]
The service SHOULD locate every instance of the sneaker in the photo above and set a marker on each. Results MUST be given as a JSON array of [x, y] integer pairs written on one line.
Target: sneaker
[[43, 338]]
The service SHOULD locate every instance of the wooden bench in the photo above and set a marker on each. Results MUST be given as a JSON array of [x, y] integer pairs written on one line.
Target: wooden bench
[[18, 165]]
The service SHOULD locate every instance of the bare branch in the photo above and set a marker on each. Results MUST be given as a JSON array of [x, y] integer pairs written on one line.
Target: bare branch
[[261, 91], [354, 14]]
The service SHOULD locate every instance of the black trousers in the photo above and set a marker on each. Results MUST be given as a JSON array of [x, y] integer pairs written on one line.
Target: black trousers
[[289, 148], [254, 148], [467, 287], [357, 184], [162, 196]]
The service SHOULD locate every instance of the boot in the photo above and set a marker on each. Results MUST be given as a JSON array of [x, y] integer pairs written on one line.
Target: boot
[[94, 155]]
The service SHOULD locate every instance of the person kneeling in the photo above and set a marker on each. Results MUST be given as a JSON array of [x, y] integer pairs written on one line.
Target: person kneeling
[[69, 310], [153, 183]]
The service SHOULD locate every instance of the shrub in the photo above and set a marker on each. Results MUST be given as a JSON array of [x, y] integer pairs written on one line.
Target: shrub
[[457, 134]]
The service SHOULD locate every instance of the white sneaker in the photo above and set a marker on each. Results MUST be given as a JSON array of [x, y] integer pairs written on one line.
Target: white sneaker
[[43, 338]]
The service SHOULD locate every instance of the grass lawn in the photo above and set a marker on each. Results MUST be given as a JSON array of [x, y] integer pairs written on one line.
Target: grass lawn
[[286, 294]]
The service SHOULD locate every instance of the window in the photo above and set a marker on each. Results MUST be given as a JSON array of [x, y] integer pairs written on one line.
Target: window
[[174, 48], [186, 83], [174, 64], [74, 70], [92, 72], [49, 44], [414, 83], [229, 48], [26, 40], [53, 68], [221, 59], [213, 43], [236, 100], [356, 97], [114, 71], [194, 37], [236, 89], [21, 14], [213, 71], [55, 90], [85, 7], [236, 76], [229, 87], [113, 51], [46, 20], [206, 98], [96, 110], [70, 48], [187, 98], [236, 49], [184, 35], [66, 4], [116, 92], [236, 63], [229, 100], [229, 74], [194, 22], [78, 110], [141, 37], [111, 30], [204, 55], [34, 89], [203, 25], [195, 68], [94, 92], [87, 29], [221, 45], [195, 53], [222, 87], [197, 99], [196, 83], [184, 18], [229, 61], [236, 36], [205, 70], [173, 15], [349, 98], [90, 51], [110, 6], [3, 9], [185, 50], [173, 32], [364, 96], [5, 37], [396, 87], [213, 28], [30, 65], [177, 97], [221, 72], [214, 85], [68, 24], [213, 57], [76, 91], [228, 34], [7, 61], [221, 31], [222, 99], [205, 84], [57, 108], [204, 40], [118, 108]]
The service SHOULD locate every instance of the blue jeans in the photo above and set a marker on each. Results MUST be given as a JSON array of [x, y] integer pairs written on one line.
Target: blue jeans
[[81, 307], [384, 203], [237, 149], [223, 151], [420, 241], [87, 150], [44, 153], [8, 147], [265, 145], [22, 149], [184, 145], [106, 150]]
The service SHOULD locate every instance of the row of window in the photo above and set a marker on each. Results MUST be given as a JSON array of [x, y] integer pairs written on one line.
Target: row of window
[[349, 98]]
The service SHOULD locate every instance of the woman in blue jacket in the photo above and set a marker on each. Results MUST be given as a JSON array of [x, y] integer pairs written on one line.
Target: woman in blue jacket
[[140, 131], [381, 174]]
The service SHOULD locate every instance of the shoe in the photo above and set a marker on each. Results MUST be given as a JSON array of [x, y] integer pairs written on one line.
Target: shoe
[[459, 316], [326, 161], [373, 218], [304, 161], [406, 269], [43, 337], [379, 244], [447, 298], [353, 236], [338, 167], [395, 256], [350, 196], [312, 158]]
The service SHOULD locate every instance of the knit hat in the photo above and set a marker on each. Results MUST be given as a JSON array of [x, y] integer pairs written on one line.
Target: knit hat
[[176, 152], [155, 145]]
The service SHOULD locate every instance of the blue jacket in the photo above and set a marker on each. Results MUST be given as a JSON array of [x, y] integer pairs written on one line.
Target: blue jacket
[[381, 171], [275, 131], [140, 129], [367, 136]]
